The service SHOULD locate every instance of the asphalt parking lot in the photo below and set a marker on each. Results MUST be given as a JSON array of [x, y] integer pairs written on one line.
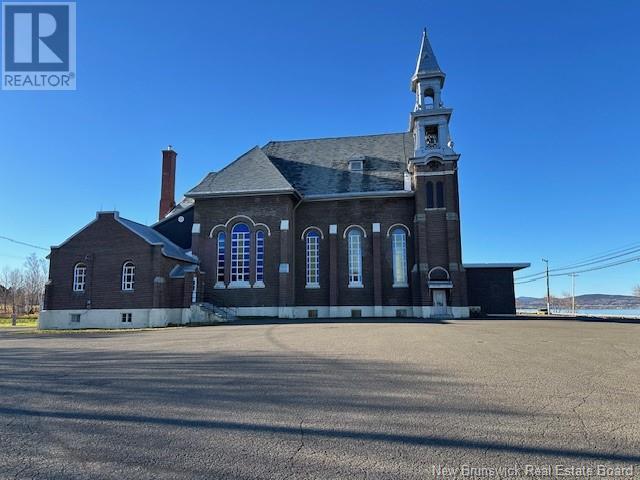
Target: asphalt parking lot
[[323, 400]]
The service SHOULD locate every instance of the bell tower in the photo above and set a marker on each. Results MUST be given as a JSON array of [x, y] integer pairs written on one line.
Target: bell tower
[[438, 276], [430, 118]]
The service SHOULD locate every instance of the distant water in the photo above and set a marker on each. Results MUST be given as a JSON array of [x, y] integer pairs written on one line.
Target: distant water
[[604, 312]]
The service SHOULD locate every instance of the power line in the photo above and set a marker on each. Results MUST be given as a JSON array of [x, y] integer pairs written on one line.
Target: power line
[[592, 269], [23, 243], [594, 260]]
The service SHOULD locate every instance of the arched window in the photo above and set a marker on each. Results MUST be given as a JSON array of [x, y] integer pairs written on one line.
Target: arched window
[[259, 256], [399, 252], [440, 195], [428, 99], [430, 203], [240, 253], [79, 277], [128, 276], [313, 258], [354, 240], [222, 237]]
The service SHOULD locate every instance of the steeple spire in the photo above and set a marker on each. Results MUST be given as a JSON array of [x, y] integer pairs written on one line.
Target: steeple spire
[[429, 121], [427, 64]]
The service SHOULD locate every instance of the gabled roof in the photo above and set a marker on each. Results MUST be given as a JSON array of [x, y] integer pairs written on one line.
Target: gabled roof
[[148, 234], [250, 173], [321, 166], [153, 237]]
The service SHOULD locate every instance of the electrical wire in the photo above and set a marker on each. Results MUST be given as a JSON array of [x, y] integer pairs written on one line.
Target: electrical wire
[[23, 243]]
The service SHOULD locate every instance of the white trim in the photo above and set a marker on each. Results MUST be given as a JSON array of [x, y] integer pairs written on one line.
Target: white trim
[[514, 266], [162, 317], [219, 285], [398, 225], [284, 224], [400, 285], [312, 286], [258, 284], [434, 174], [438, 268], [112, 318], [225, 225], [333, 229], [375, 227], [240, 284], [313, 227], [283, 268], [195, 228], [344, 233], [356, 285]]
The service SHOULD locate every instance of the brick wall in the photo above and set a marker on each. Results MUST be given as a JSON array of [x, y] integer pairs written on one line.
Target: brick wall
[[217, 214], [343, 213], [492, 289], [104, 246]]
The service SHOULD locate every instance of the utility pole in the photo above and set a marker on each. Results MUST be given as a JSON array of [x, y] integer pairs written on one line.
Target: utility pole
[[548, 289], [573, 293]]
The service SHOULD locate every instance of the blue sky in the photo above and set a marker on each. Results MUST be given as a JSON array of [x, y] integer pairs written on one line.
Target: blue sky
[[545, 98]]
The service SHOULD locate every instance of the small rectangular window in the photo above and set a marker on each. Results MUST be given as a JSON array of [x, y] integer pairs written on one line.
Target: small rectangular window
[[312, 314], [127, 317], [356, 313], [401, 313], [75, 318], [356, 165]]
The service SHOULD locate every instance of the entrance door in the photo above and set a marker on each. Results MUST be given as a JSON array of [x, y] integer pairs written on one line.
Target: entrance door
[[439, 302]]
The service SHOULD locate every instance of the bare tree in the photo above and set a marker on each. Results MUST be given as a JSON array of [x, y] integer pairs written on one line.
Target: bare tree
[[636, 290], [34, 280], [566, 300], [16, 285], [5, 290]]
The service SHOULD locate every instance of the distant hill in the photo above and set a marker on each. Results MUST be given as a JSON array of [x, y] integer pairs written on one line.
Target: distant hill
[[593, 300]]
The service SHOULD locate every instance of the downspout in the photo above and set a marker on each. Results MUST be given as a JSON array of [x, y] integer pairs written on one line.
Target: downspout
[[293, 257]]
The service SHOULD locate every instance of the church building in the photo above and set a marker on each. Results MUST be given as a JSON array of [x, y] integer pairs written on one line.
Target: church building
[[364, 226]]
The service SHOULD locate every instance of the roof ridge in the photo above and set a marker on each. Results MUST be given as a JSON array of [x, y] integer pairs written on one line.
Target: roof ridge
[[333, 138], [163, 238]]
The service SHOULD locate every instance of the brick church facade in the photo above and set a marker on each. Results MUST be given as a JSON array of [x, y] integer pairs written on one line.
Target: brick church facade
[[334, 227]]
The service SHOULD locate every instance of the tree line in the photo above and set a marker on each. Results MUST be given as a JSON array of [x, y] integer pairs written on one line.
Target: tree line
[[22, 289]]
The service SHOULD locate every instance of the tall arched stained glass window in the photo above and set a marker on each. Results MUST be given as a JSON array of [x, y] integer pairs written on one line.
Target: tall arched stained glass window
[[220, 260], [354, 244], [240, 253], [399, 253], [312, 241], [259, 256]]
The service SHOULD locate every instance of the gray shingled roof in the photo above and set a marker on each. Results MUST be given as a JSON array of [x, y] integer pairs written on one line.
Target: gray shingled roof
[[427, 63], [250, 173], [169, 249], [321, 166], [184, 205]]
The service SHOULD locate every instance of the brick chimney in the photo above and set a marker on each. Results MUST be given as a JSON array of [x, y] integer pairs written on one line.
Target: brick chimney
[[168, 189]]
